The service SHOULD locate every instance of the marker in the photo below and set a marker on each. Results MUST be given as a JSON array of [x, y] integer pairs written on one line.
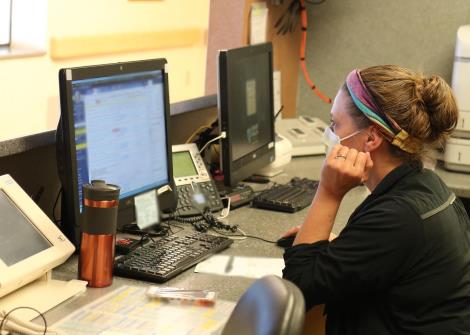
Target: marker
[[229, 265]]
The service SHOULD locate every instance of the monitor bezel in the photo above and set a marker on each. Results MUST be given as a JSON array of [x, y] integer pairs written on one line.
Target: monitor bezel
[[70, 188], [236, 170], [33, 267]]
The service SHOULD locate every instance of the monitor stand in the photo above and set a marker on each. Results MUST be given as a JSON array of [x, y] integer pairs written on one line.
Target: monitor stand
[[283, 149], [42, 294]]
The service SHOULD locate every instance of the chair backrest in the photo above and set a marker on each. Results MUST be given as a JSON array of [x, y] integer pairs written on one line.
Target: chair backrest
[[270, 306]]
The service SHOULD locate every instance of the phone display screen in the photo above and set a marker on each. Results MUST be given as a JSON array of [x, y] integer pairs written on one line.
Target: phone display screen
[[183, 165]]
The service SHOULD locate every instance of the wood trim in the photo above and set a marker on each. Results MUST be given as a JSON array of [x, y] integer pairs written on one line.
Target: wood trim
[[93, 45], [285, 50]]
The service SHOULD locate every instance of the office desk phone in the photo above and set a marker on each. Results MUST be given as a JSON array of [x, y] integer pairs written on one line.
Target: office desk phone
[[192, 177]]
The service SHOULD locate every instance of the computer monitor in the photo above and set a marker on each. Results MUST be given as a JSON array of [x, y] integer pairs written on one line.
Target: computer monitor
[[115, 128], [245, 99]]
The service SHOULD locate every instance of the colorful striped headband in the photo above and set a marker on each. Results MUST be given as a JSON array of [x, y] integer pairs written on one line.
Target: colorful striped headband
[[367, 105]]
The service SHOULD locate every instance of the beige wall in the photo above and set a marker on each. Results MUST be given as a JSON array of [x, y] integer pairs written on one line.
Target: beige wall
[[29, 86]]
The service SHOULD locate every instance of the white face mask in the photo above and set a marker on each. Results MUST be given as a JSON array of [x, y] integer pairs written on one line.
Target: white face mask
[[331, 139]]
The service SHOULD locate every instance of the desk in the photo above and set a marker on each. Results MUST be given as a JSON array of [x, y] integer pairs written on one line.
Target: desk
[[267, 224]]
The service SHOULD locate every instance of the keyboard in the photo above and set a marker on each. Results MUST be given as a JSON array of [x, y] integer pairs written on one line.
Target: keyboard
[[290, 197], [165, 258]]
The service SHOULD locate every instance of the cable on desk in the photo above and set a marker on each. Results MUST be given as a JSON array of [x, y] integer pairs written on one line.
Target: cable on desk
[[175, 225], [213, 222], [203, 222], [196, 221], [245, 235], [17, 325], [132, 228], [232, 236], [169, 225], [144, 238], [144, 235]]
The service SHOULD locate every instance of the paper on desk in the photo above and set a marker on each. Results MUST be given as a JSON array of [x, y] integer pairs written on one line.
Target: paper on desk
[[127, 310], [252, 267]]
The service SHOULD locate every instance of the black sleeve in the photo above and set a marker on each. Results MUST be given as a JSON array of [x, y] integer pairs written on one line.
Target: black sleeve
[[372, 251]]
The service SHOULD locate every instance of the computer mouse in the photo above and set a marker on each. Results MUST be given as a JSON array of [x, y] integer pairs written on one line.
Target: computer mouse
[[286, 242]]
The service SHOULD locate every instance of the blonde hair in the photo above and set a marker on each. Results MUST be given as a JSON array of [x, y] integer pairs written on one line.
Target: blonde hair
[[424, 107]]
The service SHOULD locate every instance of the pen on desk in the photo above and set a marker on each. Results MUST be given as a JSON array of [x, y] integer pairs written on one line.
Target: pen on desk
[[229, 265]]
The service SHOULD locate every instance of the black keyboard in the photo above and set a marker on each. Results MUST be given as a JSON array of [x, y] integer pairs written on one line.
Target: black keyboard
[[165, 258], [291, 197]]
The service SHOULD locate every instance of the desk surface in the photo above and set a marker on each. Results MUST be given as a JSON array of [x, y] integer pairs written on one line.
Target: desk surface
[[267, 224]]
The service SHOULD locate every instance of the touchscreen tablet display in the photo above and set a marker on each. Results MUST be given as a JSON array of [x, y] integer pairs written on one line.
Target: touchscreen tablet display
[[19, 237]]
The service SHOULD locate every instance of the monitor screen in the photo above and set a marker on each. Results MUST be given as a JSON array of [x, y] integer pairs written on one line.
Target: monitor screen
[[246, 110], [17, 227], [119, 124], [115, 120], [251, 104]]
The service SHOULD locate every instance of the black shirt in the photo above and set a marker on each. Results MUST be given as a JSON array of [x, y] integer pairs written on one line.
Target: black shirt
[[400, 266]]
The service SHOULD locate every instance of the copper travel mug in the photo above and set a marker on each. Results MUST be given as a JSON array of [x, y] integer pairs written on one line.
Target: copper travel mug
[[100, 209]]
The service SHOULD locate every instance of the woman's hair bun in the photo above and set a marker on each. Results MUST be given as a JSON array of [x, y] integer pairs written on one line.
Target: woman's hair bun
[[440, 105]]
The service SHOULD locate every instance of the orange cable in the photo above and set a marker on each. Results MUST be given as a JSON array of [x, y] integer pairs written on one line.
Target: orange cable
[[303, 45]]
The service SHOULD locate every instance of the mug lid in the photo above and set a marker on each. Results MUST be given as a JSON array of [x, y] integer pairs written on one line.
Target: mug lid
[[100, 190]]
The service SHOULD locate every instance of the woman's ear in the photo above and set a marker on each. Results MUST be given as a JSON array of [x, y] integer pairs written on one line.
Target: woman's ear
[[374, 139]]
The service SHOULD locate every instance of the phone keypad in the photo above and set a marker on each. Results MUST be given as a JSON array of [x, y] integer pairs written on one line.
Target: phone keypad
[[185, 198]]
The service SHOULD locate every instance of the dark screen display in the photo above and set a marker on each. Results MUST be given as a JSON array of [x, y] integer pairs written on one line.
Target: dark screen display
[[19, 238], [250, 102]]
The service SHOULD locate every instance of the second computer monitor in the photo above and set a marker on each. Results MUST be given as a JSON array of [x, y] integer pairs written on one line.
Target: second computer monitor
[[246, 110]]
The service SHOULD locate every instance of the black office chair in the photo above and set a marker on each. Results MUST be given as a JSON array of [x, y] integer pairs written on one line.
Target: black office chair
[[270, 306]]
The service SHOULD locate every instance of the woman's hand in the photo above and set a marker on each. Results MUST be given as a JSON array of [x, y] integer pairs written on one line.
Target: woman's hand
[[344, 168], [292, 231]]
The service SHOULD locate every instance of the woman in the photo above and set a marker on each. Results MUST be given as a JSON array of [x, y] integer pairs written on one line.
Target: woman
[[402, 263]]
